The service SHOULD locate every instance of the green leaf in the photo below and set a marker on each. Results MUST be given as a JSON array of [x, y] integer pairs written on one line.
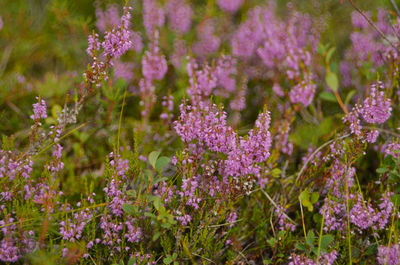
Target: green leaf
[[380, 170], [271, 242], [332, 81], [167, 260], [301, 247], [321, 48], [349, 96], [325, 241], [310, 238], [276, 172], [327, 96], [156, 235], [153, 156], [131, 261], [129, 209], [162, 162], [157, 202], [314, 197], [330, 53]]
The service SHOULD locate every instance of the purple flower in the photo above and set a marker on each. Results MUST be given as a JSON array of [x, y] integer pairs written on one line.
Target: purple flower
[[153, 16], [230, 6], [39, 110], [154, 64], [377, 108], [118, 40], [303, 92], [179, 15], [389, 255]]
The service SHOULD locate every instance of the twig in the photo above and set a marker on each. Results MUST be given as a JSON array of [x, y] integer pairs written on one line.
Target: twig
[[276, 206], [373, 25], [396, 8], [207, 259], [315, 152], [225, 224]]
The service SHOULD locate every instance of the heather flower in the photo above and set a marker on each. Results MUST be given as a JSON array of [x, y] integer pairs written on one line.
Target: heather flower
[[239, 101], [137, 42], [180, 51], [283, 222], [1, 23], [376, 107], [389, 255], [93, 44], [324, 259], [303, 92], [230, 6], [107, 19], [179, 15], [202, 81], [123, 70], [231, 219], [248, 36], [134, 234], [225, 74], [393, 149], [154, 64], [207, 42], [153, 16], [362, 214], [39, 110], [118, 40]]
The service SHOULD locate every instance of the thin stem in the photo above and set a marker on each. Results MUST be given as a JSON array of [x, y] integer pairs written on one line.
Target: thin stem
[[320, 235], [373, 24], [276, 206], [396, 8], [55, 214], [302, 219], [348, 221], [339, 99], [120, 121], [315, 152]]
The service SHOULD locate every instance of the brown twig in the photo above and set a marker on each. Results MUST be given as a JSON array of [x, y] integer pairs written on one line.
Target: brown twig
[[372, 24]]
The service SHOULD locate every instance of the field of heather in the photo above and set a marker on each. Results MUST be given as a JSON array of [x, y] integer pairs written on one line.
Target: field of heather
[[139, 132]]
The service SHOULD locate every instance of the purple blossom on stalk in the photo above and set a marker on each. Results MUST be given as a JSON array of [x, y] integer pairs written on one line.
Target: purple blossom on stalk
[[230, 6], [154, 64], [179, 15], [249, 35], [303, 92], [39, 110], [239, 101], [393, 149], [202, 81], [324, 259], [147, 95], [107, 19], [72, 229], [118, 40], [389, 255], [375, 110], [207, 42], [153, 16], [225, 73], [93, 44], [283, 221], [231, 219], [180, 51], [1, 23], [377, 107], [134, 234], [123, 70]]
